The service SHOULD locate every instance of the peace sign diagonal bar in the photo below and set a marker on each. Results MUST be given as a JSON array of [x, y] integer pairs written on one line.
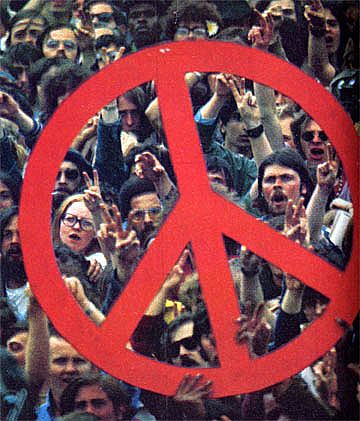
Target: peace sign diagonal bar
[[200, 217]]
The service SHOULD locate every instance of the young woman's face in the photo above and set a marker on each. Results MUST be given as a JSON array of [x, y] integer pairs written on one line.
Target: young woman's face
[[76, 227]]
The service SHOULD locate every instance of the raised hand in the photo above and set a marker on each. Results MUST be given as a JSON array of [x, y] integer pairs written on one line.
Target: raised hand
[[9, 108], [327, 171], [190, 396], [262, 35], [245, 101], [250, 263], [92, 193], [314, 13], [254, 330], [107, 57], [148, 166], [296, 223]]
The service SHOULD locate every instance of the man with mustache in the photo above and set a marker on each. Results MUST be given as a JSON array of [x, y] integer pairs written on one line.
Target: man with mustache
[[70, 179], [13, 276]]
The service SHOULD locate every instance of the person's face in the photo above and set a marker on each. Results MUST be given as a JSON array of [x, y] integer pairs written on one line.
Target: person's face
[[313, 312], [65, 364], [10, 247], [102, 16], [285, 124], [287, 8], [313, 143], [332, 36], [279, 185], [77, 237], [16, 345], [186, 346], [27, 30], [130, 116], [6, 199], [93, 400], [147, 214], [143, 23], [68, 178], [190, 31], [20, 72], [236, 138], [61, 43]]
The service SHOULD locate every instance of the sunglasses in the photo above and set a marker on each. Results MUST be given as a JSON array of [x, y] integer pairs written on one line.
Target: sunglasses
[[139, 214], [197, 32], [102, 17], [310, 135], [71, 175], [188, 343]]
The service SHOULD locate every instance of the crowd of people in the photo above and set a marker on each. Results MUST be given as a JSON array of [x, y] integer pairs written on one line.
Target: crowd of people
[[116, 186]]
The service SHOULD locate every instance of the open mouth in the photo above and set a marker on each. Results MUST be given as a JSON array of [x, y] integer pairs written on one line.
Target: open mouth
[[278, 197], [75, 237], [317, 153]]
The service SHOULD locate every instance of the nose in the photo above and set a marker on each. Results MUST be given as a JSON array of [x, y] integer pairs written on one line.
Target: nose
[[183, 351], [23, 78], [62, 179], [15, 238], [70, 367], [316, 138], [129, 119], [29, 39]]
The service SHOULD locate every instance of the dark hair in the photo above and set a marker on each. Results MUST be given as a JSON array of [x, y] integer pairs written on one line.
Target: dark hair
[[132, 187], [13, 182], [5, 217], [22, 15], [138, 97], [67, 77], [288, 158], [107, 39], [234, 34], [119, 17], [190, 10], [215, 163], [46, 34], [201, 327], [111, 387], [23, 53], [297, 128]]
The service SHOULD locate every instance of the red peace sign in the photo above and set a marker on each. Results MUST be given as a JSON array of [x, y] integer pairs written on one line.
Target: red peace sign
[[200, 216]]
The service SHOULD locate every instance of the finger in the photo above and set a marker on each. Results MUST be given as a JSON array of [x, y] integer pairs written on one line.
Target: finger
[[105, 214], [242, 86], [235, 92], [87, 179], [117, 216], [130, 219], [183, 258], [120, 53], [96, 178]]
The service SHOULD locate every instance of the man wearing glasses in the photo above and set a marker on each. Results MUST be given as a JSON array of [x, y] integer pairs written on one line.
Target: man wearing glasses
[[70, 179]]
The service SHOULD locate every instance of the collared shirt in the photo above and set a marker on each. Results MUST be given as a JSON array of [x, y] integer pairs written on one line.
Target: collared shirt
[[47, 411]]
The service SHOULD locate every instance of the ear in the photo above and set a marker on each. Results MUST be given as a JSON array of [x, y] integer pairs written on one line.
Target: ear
[[222, 127]]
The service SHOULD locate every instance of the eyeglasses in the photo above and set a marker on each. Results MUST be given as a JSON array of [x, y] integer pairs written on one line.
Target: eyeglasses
[[71, 220], [188, 343], [183, 31], [310, 135], [102, 17], [68, 44], [71, 175], [153, 213]]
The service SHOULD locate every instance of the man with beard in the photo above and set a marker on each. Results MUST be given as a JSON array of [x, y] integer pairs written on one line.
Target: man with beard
[[13, 276], [282, 176], [70, 179], [143, 22]]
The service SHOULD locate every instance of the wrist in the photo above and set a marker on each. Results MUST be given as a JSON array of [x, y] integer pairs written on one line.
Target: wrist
[[318, 31], [254, 129], [88, 307]]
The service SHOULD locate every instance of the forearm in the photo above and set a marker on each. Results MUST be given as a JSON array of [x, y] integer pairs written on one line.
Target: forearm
[[92, 312], [260, 147], [212, 108], [315, 212], [265, 99], [292, 301], [250, 289], [37, 347], [318, 59]]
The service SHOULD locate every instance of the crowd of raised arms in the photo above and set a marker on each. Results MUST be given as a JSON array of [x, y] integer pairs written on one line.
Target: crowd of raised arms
[[116, 186]]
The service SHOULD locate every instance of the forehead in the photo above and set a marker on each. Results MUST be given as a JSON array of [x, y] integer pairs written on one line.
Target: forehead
[[19, 337], [59, 347], [329, 15], [33, 23], [276, 170], [79, 209], [145, 201], [90, 392], [61, 34], [141, 7], [185, 330], [68, 165], [312, 126], [125, 104], [98, 8]]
